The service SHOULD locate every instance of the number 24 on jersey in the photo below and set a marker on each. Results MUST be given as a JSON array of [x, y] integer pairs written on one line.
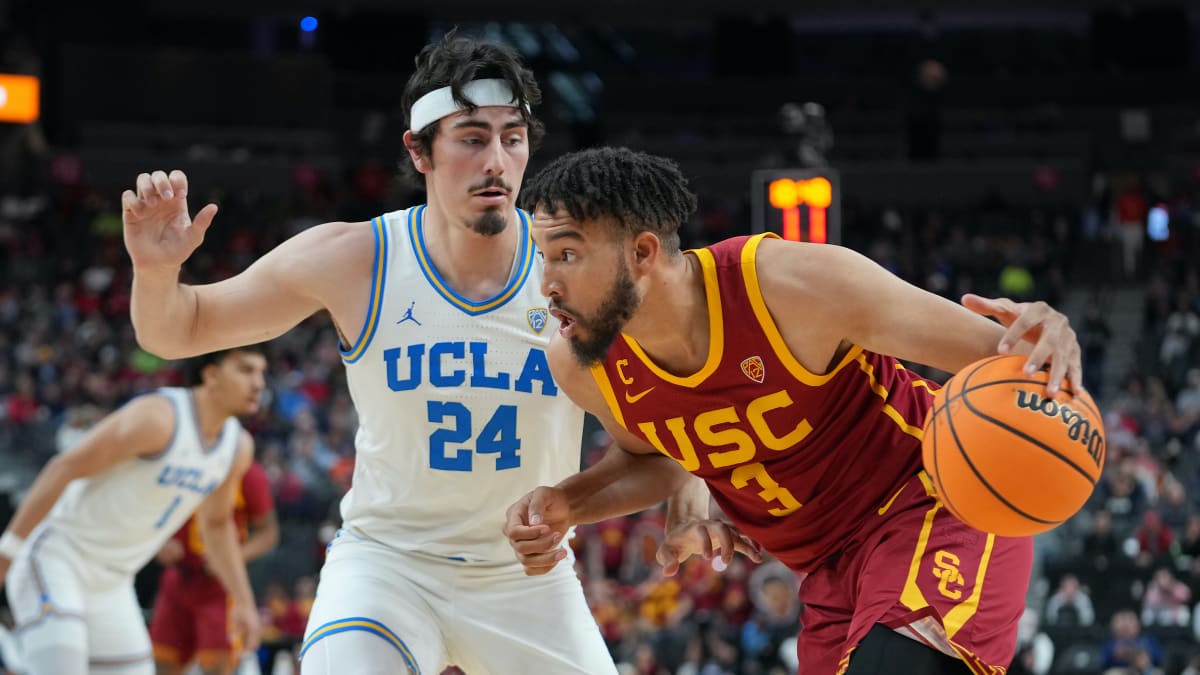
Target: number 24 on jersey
[[498, 437]]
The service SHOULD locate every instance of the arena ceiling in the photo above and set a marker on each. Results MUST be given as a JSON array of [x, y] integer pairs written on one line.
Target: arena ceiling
[[517, 9]]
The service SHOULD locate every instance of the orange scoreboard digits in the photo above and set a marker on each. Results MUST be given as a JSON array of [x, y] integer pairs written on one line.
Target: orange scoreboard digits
[[18, 98], [799, 205]]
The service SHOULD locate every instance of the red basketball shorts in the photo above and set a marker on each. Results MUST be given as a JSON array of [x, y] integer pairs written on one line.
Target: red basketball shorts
[[191, 619], [920, 571]]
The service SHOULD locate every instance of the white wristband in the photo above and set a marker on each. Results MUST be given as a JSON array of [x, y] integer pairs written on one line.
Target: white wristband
[[10, 544]]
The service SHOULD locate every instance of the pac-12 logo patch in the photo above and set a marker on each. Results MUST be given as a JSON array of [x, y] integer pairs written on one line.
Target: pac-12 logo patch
[[754, 369], [537, 319]]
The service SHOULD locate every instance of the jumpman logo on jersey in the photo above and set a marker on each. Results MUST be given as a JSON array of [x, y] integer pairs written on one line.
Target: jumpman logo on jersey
[[408, 314]]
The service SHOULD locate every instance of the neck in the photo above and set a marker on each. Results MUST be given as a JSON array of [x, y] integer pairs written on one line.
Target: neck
[[210, 417], [672, 323], [475, 266]]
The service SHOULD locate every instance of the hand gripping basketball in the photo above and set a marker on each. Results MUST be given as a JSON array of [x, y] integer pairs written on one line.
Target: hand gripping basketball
[[1048, 330]]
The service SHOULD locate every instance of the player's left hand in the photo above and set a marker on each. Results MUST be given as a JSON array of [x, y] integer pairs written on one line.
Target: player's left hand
[[158, 230], [245, 625], [1053, 339], [709, 538]]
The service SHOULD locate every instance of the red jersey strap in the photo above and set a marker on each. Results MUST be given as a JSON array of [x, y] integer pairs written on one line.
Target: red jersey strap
[[767, 322]]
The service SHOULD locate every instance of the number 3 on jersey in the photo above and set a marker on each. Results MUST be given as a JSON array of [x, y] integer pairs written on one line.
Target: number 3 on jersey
[[498, 437]]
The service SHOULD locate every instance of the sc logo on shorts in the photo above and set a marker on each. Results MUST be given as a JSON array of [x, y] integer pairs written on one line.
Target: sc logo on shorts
[[950, 580]]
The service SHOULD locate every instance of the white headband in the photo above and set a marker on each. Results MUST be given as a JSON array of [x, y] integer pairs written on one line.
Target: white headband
[[438, 103]]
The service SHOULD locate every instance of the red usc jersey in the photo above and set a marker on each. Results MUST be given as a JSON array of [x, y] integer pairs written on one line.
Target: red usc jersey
[[797, 460], [253, 501]]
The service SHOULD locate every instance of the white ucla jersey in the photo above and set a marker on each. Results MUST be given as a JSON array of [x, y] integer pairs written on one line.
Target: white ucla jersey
[[120, 518], [458, 414]]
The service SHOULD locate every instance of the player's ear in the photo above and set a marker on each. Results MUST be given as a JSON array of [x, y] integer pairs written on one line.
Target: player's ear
[[420, 159], [646, 248], [208, 373]]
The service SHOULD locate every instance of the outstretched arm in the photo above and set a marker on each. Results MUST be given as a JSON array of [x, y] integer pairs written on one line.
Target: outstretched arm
[[282, 288], [221, 549], [144, 426], [859, 302]]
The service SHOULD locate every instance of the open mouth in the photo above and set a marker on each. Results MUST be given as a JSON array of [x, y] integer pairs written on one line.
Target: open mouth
[[492, 194], [566, 321]]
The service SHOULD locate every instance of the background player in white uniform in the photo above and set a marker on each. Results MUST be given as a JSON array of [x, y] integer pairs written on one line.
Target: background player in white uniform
[[111, 503], [444, 335]]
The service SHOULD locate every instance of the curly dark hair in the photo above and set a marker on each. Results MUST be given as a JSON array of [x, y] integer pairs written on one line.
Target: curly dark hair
[[637, 191], [194, 367], [455, 61]]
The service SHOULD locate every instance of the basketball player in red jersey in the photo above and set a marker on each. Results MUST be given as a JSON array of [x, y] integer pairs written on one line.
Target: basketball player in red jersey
[[769, 369], [191, 610]]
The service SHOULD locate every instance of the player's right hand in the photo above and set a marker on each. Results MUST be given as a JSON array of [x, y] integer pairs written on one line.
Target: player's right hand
[[158, 231], [1048, 330], [535, 527], [246, 626], [4, 563]]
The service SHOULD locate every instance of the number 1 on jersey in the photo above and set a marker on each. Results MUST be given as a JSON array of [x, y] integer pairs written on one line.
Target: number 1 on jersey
[[162, 520], [498, 436]]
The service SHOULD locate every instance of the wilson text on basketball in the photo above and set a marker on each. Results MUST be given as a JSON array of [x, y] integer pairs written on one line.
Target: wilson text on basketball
[[1079, 428]]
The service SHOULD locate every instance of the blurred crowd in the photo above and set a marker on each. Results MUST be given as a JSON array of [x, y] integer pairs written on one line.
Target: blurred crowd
[[1121, 580], [1117, 586]]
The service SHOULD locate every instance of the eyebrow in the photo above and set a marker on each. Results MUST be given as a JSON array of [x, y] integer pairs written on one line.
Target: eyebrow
[[564, 234], [470, 123]]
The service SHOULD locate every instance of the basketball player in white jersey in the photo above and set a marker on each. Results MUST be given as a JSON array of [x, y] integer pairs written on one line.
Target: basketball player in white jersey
[[97, 514], [444, 335]]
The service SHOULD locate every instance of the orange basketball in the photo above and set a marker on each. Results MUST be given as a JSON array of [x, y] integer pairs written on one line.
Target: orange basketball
[[1006, 458]]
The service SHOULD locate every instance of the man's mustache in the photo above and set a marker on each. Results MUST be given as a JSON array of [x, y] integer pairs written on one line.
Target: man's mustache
[[491, 182]]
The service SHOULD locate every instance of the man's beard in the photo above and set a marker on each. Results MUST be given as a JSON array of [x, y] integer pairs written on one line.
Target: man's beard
[[604, 327], [490, 223], [493, 221]]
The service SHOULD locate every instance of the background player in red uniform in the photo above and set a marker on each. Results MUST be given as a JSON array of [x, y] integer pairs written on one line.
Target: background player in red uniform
[[191, 610], [769, 369]]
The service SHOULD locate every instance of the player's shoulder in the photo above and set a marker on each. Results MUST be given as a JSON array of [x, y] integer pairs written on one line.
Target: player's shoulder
[[158, 403], [338, 239], [324, 253], [572, 377], [243, 453], [796, 262], [562, 362], [152, 415], [775, 247], [338, 234]]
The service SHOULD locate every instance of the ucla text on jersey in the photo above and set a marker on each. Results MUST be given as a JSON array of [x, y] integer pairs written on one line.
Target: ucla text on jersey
[[187, 478], [448, 364]]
